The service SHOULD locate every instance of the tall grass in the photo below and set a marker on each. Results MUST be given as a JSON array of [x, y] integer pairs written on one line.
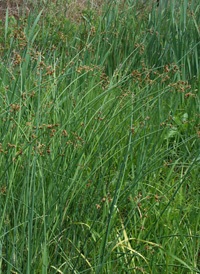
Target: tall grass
[[100, 140]]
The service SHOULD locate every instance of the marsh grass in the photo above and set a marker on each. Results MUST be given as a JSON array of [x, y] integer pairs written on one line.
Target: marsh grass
[[99, 146]]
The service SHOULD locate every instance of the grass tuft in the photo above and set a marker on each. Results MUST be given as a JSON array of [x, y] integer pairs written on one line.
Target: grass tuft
[[99, 137]]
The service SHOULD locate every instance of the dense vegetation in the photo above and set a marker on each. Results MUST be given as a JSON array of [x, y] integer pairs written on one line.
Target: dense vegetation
[[99, 139]]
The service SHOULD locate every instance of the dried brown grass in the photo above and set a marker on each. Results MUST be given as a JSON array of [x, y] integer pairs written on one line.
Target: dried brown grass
[[74, 7], [13, 6]]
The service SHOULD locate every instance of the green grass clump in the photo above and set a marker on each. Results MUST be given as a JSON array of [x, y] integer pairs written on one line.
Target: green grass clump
[[99, 140]]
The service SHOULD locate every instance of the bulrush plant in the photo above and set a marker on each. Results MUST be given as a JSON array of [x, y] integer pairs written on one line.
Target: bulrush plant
[[99, 139]]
